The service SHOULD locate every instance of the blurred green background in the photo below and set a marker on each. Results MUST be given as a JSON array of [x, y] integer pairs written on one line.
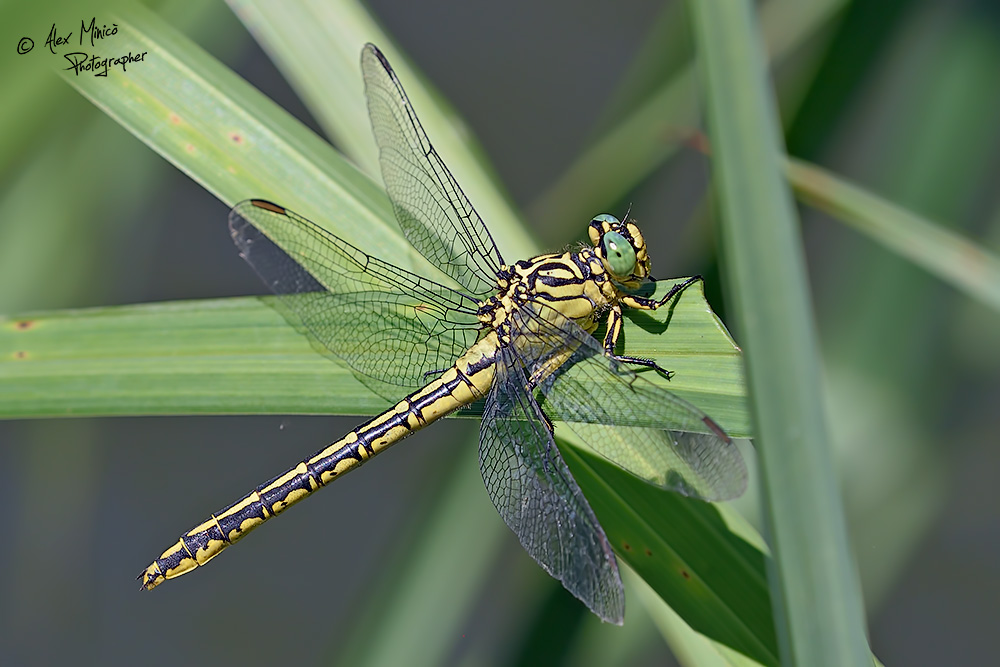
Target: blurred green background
[[899, 96]]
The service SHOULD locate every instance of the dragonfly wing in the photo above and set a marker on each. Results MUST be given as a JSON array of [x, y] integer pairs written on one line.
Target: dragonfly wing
[[535, 493], [392, 327], [434, 213], [640, 426]]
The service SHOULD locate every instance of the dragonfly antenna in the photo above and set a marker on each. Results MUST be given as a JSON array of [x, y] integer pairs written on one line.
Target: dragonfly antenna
[[625, 219]]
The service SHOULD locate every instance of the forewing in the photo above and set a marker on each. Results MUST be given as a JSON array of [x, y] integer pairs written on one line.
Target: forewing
[[392, 327], [536, 495], [434, 213], [634, 423]]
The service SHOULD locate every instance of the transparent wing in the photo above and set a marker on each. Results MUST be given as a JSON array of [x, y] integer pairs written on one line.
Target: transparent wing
[[392, 327], [632, 422], [434, 213], [536, 495]]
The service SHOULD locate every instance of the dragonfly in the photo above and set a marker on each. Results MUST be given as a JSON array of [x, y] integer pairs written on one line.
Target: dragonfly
[[517, 338]]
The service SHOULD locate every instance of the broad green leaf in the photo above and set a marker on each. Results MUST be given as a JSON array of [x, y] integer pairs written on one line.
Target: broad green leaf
[[688, 646], [236, 356], [227, 136], [685, 550], [299, 34]]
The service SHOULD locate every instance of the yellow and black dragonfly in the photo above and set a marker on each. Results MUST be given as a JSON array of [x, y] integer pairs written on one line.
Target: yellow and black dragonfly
[[515, 335]]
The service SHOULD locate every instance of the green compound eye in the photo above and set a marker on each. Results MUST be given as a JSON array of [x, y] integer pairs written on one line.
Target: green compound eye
[[606, 217], [619, 253]]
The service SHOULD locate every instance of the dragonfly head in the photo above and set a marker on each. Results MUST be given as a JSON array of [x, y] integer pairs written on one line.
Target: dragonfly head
[[621, 248]]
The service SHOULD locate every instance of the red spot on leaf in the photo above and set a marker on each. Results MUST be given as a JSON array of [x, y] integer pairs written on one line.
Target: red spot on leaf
[[698, 141]]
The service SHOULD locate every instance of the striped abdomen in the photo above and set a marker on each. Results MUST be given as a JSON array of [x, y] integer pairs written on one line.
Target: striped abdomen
[[468, 380]]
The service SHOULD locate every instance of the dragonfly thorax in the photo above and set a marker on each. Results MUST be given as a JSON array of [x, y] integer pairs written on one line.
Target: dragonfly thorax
[[575, 284]]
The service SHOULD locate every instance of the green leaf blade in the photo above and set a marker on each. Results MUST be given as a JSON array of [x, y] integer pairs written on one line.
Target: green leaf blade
[[239, 356], [819, 615], [685, 551]]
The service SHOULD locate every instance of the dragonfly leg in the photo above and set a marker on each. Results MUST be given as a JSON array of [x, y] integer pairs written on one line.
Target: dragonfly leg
[[648, 363], [548, 422], [611, 339], [643, 303], [615, 325], [678, 288]]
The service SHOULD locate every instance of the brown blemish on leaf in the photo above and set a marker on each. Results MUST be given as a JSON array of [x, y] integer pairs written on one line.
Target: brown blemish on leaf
[[24, 325], [698, 140], [175, 119]]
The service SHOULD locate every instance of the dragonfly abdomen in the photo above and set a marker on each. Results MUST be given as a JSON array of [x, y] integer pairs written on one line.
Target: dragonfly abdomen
[[467, 381]]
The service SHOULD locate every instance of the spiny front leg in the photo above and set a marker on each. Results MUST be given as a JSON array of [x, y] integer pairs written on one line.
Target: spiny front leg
[[643, 303]]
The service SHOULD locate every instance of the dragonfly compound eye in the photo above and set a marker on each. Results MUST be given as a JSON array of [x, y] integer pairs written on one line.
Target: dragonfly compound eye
[[619, 254], [611, 220], [601, 225]]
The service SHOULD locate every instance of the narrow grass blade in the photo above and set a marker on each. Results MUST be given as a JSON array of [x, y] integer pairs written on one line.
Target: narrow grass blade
[[945, 253], [658, 127], [432, 563], [819, 614]]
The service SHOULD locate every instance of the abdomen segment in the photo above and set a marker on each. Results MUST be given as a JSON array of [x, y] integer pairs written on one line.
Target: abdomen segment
[[453, 389]]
